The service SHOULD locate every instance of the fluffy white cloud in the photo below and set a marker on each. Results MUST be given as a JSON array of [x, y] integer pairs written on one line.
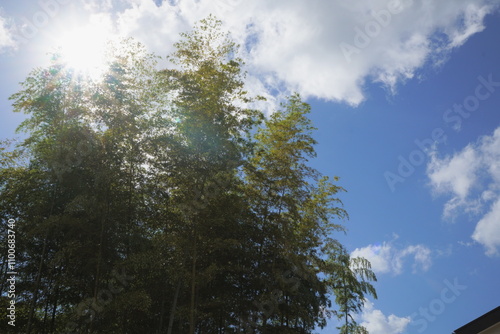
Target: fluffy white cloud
[[387, 258], [6, 40], [487, 230], [471, 177], [380, 256], [456, 174], [325, 49], [378, 323]]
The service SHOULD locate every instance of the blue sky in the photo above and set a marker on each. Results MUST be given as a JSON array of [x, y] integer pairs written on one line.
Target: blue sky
[[405, 96]]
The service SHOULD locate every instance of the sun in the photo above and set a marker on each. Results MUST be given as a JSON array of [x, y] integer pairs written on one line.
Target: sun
[[86, 49]]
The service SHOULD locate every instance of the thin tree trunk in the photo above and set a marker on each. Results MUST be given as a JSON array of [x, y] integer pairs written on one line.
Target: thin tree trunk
[[162, 315], [3, 270], [193, 290], [37, 285], [98, 270], [47, 302], [40, 267], [346, 306], [174, 306], [54, 308], [129, 209]]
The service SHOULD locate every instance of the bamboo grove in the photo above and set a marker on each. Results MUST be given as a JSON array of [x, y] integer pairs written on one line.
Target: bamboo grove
[[158, 201]]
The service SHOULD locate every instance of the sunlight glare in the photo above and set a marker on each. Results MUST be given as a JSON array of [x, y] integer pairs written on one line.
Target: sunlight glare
[[85, 49]]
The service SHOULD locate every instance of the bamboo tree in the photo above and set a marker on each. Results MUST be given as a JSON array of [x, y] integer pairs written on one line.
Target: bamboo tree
[[208, 143], [167, 175], [350, 281], [296, 208]]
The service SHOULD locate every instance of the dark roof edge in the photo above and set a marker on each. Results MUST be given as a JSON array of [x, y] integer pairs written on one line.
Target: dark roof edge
[[481, 323]]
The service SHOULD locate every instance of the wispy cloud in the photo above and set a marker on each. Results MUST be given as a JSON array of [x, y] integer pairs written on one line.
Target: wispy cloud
[[388, 258], [6, 38], [471, 180]]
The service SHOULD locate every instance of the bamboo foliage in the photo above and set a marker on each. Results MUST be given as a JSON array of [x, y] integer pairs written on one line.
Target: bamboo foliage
[[156, 200]]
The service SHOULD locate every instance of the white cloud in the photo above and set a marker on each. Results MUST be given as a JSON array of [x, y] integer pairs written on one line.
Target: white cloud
[[6, 39], [487, 230], [421, 255], [301, 46], [387, 258], [456, 174], [471, 178], [380, 256], [473, 23], [378, 323], [97, 5]]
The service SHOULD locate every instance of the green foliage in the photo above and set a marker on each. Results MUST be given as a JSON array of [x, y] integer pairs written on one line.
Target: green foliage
[[156, 201], [350, 281]]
